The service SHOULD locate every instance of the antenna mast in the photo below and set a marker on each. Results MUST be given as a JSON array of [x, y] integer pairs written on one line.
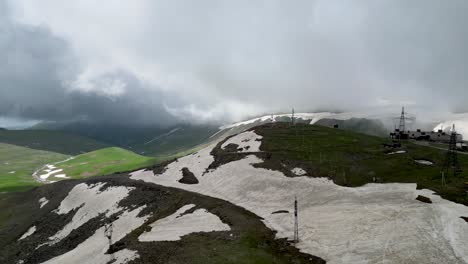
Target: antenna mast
[[292, 117], [296, 223]]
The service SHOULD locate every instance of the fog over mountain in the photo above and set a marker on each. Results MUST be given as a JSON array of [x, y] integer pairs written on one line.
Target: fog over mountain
[[163, 62]]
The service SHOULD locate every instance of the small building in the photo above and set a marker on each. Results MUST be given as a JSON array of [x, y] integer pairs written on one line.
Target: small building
[[435, 136]]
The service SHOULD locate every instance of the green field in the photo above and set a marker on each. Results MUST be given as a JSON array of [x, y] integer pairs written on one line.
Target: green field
[[102, 162], [17, 164], [54, 141], [353, 159]]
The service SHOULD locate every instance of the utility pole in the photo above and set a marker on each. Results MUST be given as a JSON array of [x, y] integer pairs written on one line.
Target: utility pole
[[108, 233], [292, 117], [296, 223], [451, 163]]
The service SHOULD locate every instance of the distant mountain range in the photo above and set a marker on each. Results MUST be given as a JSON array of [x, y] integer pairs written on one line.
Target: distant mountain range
[[158, 141]]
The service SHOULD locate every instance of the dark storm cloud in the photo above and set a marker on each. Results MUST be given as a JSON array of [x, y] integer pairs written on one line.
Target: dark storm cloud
[[204, 61], [35, 67]]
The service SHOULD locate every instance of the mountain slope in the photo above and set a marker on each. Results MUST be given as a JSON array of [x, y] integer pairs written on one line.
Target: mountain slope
[[135, 210], [54, 141], [264, 169], [95, 163], [145, 140], [206, 207], [17, 164]]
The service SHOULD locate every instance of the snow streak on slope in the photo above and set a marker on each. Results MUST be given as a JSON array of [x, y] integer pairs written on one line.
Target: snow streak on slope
[[93, 250], [163, 135], [247, 141], [90, 202], [30, 231], [375, 223], [42, 202], [177, 225]]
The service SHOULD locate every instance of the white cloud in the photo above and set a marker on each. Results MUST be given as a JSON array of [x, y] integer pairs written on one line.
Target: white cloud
[[224, 60]]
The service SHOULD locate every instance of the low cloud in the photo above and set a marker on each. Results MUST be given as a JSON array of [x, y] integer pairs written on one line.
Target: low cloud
[[163, 62]]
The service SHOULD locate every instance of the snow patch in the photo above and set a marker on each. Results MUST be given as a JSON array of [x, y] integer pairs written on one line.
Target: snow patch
[[30, 231], [299, 171], [177, 225], [424, 162], [90, 202], [95, 247], [42, 202], [397, 152], [247, 141], [373, 223], [49, 173], [63, 176]]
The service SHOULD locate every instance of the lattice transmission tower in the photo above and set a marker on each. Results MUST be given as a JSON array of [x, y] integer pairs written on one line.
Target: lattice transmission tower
[[451, 165]]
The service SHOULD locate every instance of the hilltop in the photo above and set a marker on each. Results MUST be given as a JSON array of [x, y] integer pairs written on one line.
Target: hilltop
[[54, 141]]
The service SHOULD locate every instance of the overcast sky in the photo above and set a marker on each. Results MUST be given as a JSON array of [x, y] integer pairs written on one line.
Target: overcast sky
[[160, 62]]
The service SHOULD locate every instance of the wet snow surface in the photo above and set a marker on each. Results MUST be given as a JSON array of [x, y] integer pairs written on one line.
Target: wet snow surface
[[375, 223], [247, 141], [177, 225]]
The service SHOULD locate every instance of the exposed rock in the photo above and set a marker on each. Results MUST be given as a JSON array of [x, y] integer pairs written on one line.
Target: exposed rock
[[423, 199], [281, 212], [188, 177]]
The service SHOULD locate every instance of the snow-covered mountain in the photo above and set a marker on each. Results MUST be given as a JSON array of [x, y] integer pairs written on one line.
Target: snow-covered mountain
[[205, 204]]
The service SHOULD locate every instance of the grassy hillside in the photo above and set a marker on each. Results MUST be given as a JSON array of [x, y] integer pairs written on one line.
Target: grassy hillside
[[54, 141], [102, 162], [148, 140], [18, 163], [353, 159]]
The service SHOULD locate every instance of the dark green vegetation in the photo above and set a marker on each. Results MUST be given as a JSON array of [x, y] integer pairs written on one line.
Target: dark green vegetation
[[362, 125], [17, 164], [144, 140], [353, 159], [248, 241], [103, 162], [53, 141]]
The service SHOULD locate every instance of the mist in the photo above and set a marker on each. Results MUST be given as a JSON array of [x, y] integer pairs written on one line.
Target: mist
[[166, 62]]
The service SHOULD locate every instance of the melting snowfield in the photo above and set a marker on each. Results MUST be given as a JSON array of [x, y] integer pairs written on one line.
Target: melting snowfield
[[375, 223], [177, 225], [90, 201], [247, 141], [93, 250]]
